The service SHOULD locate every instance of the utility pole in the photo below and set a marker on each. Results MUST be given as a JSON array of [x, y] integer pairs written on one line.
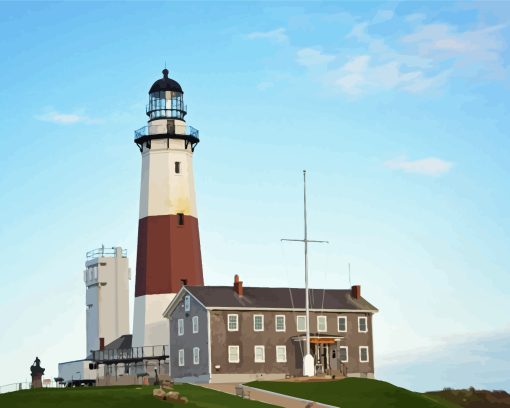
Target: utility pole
[[308, 360]]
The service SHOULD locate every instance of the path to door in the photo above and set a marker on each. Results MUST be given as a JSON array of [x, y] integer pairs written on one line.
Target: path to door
[[267, 397]]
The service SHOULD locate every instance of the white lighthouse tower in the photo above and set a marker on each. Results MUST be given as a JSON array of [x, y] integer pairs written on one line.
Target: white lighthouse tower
[[168, 239]]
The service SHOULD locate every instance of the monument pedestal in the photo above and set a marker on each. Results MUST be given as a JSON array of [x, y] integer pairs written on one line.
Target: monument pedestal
[[37, 372], [36, 380]]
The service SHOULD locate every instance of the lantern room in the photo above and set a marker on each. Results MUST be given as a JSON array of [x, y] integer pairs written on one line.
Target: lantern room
[[166, 99]]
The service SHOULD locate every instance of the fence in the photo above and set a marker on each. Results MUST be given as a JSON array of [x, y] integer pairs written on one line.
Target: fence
[[26, 385]]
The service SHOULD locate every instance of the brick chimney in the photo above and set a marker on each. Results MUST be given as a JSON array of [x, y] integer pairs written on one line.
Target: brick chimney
[[356, 291], [238, 285], [101, 343]]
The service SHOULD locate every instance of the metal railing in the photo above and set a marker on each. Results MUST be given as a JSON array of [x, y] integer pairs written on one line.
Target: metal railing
[[156, 129], [99, 252], [133, 353], [25, 385]]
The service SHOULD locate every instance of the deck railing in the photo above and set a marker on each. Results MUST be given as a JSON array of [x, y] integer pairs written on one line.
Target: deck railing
[[156, 129]]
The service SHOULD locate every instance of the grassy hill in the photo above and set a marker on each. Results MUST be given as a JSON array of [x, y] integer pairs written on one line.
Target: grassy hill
[[356, 393], [120, 397], [472, 398]]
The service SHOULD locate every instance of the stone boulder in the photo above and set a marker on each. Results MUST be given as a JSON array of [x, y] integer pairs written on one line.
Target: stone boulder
[[159, 393], [173, 395]]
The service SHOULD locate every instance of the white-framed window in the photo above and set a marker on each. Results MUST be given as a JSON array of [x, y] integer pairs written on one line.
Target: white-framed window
[[196, 355], [258, 322], [194, 322], [342, 324], [322, 324], [343, 354], [281, 354], [279, 323], [260, 355], [363, 354], [233, 354], [362, 324], [187, 303], [233, 322], [301, 323], [181, 358], [180, 327]]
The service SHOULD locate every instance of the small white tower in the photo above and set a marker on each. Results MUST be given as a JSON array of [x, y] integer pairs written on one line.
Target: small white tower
[[106, 277]]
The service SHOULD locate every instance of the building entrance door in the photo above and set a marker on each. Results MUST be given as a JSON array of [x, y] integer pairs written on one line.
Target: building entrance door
[[321, 358]]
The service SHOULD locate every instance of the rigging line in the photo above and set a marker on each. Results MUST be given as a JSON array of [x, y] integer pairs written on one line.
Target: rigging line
[[325, 281], [290, 293]]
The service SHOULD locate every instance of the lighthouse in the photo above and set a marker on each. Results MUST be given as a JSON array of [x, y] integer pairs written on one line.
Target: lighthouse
[[168, 253]]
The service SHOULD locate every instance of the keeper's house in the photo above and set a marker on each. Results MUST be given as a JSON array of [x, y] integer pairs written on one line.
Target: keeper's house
[[236, 334]]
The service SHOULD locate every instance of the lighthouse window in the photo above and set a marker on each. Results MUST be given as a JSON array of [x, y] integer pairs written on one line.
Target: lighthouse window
[[177, 167], [181, 218]]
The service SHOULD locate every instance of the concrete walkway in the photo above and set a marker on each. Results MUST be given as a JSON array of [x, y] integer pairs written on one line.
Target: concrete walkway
[[267, 397]]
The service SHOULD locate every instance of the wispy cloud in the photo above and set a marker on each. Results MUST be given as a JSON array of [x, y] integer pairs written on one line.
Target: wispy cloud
[[475, 52], [262, 86], [430, 166], [60, 118], [278, 35], [309, 57], [422, 57]]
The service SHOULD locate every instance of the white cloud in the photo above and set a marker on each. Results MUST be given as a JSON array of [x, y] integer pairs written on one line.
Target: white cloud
[[430, 166], [382, 16], [471, 52], [278, 35], [65, 118], [360, 75], [412, 18], [262, 86], [309, 57]]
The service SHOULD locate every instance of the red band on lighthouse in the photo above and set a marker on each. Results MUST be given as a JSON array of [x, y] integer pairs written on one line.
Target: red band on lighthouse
[[168, 254]]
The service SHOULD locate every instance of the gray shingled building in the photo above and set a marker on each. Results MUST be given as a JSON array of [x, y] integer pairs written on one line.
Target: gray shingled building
[[236, 334]]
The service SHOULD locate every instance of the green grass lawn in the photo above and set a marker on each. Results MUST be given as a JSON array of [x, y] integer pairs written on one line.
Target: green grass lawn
[[121, 397], [355, 393]]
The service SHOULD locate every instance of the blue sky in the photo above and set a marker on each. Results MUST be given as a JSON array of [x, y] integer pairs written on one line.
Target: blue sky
[[399, 112]]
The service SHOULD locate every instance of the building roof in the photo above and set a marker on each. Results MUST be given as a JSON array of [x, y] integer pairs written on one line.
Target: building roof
[[165, 84], [278, 298], [123, 342]]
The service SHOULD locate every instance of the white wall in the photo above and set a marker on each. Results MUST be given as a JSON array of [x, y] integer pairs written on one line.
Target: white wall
[[107, 282]]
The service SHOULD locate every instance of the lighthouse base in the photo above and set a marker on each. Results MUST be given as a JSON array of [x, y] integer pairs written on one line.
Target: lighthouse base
[[150, 328]]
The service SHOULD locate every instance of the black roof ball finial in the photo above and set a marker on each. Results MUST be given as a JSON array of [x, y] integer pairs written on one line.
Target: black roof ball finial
[[165, 84]]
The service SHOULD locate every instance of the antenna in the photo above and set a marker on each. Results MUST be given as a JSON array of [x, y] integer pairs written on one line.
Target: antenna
[[308, 360], [350, 284]]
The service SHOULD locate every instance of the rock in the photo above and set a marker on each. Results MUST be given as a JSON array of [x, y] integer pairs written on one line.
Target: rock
[[184, 400], [158, 393], [172, 395]]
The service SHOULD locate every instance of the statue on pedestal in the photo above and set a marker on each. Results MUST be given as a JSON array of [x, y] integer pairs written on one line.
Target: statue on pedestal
[[37, 372]]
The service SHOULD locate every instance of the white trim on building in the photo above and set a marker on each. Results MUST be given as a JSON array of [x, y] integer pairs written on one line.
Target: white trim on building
[[360, 319], [233, 354], [301, 327], [346, 359], [360, 355], [342, 327], [235, 323], [259, 354], [322, 324], [283, 326], [281, 354]]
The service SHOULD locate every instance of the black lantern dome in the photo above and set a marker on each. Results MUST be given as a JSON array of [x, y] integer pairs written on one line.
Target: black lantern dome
[[165, 84], [166, 99]]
